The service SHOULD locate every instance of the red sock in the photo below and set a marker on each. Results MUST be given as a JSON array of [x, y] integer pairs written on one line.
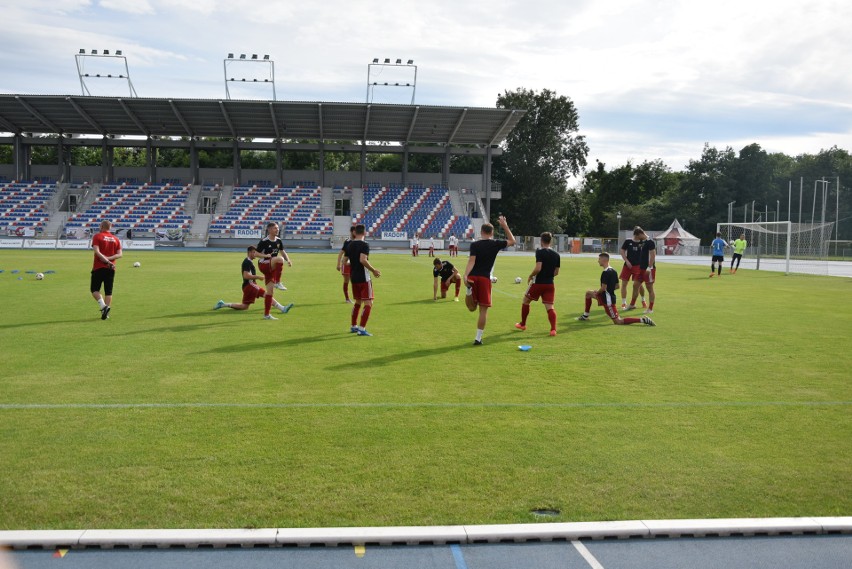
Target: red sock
[[267, 304], [632, 320], [551, 316], [346, 290], [365, 315], [355, 310], [525, 311], [651, 305], [276, 274], [458, 287], [588, 305]]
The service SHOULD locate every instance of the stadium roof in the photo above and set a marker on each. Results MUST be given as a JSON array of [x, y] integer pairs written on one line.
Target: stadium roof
[[129, 116]]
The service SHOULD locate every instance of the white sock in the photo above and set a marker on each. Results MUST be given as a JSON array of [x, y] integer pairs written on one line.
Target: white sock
[[586, 314], [643, 300], [623, 300], [479, 335], [101, 303]]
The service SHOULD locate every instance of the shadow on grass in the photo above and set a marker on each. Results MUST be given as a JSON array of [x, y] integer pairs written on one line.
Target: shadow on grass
[[266, 346], [48, 323], [440, 351]]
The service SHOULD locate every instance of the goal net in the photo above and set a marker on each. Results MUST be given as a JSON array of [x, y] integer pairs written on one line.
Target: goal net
[[782, 245]]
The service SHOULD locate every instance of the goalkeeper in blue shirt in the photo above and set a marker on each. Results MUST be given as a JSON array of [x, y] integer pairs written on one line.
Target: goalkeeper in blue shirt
[[718, 245]]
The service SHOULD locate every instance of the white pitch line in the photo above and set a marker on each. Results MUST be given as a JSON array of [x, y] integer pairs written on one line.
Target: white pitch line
[[587, 555], [389, 405]]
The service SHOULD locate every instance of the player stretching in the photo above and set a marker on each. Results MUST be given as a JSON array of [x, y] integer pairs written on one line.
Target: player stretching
[[272, 256], [718, 245], [477, 274], [631, 253], [415, 245], [445, 273], [251, 291], [647, 270], [343, 266], [541, 285], [362, 287], [739, 248], [605, 296]]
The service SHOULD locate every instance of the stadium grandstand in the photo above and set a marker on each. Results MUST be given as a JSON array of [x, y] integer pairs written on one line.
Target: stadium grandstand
[[226, 206]]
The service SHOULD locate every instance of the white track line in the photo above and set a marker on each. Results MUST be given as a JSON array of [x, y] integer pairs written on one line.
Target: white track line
[[587, 555]]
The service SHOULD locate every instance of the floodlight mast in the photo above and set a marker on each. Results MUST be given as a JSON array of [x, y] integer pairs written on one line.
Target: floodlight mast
[[230, 78], [376, 68], [80, 59]]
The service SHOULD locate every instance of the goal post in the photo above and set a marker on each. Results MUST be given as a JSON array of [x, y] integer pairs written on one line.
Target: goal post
[[806, 244]]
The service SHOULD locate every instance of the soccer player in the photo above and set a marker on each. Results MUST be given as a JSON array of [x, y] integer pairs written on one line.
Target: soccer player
[[454, 246], [272, 256], [605, 295], [343, 266], [739, 248], [647, 269], [107, 248], [477, 274], [415, 245], [541, 285], [431, 246], [362, 287], [718, 245], [445, 273], [631, 253], [251, 290]]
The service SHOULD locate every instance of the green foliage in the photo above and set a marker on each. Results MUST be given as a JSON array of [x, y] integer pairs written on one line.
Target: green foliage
[[540, 153], [724, 409]]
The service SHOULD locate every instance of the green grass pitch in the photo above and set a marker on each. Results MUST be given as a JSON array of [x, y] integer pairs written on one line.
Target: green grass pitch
[[170, 414]]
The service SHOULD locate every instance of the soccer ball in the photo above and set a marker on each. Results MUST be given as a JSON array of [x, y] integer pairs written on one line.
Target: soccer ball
[[493, 279], [517, 280], [137, 264], [39, 276]]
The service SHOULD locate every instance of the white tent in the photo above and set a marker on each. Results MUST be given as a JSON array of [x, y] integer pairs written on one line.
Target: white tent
[[677, 241]]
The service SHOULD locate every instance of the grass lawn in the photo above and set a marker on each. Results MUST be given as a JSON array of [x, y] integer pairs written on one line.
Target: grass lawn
[[169, 414]]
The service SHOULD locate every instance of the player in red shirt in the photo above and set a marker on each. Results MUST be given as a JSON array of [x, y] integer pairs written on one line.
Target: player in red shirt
[[541, 285], [107, 248], [477, 274], [605, 295], [631, 253]]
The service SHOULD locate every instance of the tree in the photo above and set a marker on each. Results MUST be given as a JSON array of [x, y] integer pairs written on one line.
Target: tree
[[539, 155]]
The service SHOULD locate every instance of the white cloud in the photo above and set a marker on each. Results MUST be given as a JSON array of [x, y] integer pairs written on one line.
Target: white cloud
[[135, 7]]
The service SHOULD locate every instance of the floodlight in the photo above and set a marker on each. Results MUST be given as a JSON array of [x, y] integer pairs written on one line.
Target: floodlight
[[94, 52], [254, 56], [266, 57], [387, 60], [375, 59], [410, 62], [118, 52], [399, 62], [230, 56], [242, 56], [106, 52], [82, 51]]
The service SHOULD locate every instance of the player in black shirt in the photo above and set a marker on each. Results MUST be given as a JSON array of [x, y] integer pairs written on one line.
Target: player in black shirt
[[358, 252], [445, 273], [251, 291], [605, 296], [477, 274], [631, 253], [541, 284], [343, 266]]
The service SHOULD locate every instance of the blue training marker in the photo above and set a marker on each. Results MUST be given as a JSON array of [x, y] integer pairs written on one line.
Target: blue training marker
[[49, 272], [525, 348], [15, 272]]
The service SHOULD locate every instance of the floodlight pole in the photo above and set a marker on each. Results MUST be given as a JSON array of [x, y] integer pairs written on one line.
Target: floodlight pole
[[80, 59], [618, 235], [377, 68], [229, 78]]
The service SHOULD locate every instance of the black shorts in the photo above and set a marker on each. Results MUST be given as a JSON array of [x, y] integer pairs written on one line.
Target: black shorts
[[103, 277], [720, 258]]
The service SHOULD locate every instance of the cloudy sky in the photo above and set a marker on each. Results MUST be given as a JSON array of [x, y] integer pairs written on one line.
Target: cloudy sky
[[651, 79]]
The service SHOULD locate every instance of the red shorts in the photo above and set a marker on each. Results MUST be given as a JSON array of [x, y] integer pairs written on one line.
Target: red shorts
[[634, 271], [610, 309], [347, 270], [362, 291], [252, 292], [648, 276], [481, 290], [547, 292], [266, 271]]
